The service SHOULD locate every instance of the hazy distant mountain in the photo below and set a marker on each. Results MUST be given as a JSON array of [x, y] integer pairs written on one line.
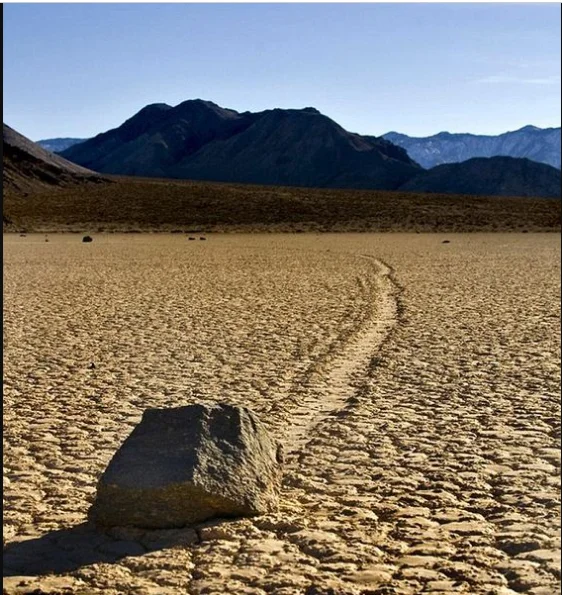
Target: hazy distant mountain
[[542, 145], [200, 140], [27, 167], [502, 176], [57, 145]]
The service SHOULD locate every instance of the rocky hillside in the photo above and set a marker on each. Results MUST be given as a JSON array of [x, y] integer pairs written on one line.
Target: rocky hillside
[[499, 176], [542, 145], [27, 167], [202, 141]]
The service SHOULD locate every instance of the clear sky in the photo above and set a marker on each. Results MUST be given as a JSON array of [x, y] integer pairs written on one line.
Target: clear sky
[[80, 69]]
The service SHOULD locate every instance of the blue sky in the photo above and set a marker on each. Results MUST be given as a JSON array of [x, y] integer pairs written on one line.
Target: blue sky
[[81, 69]]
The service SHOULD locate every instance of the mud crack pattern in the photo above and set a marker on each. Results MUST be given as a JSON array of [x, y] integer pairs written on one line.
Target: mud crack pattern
[[431, 467]]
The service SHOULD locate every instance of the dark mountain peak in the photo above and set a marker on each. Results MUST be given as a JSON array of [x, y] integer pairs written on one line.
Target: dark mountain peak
[[142, 121], [198, 139], [201, 107], [295, 123], [199, 102], [156, 107], [149, 111], [295, 118], [295, 111]]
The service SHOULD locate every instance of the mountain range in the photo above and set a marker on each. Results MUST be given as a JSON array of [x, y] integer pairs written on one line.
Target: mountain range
[[27, 167], [538, 144], [201, 141], [45, 192]]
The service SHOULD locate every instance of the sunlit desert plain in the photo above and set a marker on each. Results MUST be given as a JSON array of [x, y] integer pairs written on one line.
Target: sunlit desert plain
[[413, 380]]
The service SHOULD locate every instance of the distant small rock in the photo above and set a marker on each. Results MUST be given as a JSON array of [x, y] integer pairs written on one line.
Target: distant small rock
[[87, 239], [92, 366], [203, 239], [191, 238], [446, 242], [184, 465]]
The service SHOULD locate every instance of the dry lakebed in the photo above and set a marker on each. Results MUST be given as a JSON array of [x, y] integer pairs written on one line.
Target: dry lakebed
[[413, 380]]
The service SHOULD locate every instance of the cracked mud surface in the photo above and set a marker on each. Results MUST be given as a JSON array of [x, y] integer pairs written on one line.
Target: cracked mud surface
[[430, 466]]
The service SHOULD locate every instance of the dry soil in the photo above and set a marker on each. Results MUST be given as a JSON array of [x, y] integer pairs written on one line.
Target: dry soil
[[415, 384]]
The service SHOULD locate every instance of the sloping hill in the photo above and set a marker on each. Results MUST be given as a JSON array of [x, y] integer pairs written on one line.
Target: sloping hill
[[499, 176], [27, 167], [537, 144], [200, 140]]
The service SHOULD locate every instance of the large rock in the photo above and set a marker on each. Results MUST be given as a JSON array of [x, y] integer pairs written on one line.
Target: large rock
[[184, 465]]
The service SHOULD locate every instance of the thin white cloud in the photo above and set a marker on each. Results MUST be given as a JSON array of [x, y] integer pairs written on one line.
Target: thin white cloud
[[501, 79]]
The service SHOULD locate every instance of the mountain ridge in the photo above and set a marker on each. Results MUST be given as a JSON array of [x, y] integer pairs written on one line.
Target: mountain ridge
[[480, 176], [538, 144], [198, 139]]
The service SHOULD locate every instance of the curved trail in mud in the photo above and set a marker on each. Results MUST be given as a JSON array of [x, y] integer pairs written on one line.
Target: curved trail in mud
[[346, 372]]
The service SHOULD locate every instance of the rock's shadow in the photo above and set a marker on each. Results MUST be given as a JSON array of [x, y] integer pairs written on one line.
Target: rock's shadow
[[82, 545]]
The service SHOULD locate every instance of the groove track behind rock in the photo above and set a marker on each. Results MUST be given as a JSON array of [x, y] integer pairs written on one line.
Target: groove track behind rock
[[344, 374]]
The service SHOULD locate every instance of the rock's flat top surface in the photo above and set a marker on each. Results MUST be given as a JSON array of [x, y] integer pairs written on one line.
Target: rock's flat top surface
[[440, 476]]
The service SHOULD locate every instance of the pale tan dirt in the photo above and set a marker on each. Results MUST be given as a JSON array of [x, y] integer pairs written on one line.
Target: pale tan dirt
[[415, 385]]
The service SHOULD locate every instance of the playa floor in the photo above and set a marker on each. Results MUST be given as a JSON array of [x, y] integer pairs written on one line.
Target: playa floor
[[414, 383]]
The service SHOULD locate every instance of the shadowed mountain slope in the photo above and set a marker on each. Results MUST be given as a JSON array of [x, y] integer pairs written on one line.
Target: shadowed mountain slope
[[299, 148], [200, 140], [499, 176], [27, 167], [538, 144]]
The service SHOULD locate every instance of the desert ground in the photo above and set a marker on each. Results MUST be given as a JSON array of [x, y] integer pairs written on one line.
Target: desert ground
[[413, 379]]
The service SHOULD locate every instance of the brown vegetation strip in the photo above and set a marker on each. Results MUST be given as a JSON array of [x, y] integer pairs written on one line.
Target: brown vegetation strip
[[140, 204]]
